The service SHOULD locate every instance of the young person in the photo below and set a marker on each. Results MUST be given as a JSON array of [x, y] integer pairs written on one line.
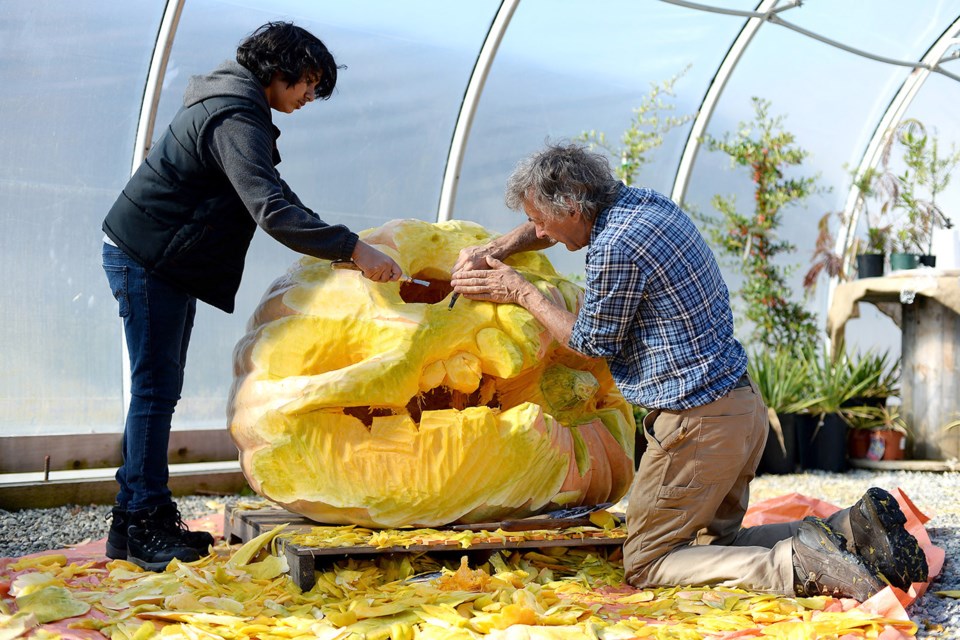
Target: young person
[[179, 233]]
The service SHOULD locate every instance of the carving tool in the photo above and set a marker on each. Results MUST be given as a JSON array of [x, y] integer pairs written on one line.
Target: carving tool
[[352, 266]]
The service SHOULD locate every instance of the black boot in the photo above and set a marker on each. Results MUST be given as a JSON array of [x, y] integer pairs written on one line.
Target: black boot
[[822, 565], [117, 538], [880, 538], [155, 537]]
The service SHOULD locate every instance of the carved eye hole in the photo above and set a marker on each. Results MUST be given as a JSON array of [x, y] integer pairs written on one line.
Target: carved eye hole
[[437, 291]]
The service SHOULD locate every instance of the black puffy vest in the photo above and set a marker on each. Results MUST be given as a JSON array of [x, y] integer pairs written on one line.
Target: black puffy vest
[[180, 218]]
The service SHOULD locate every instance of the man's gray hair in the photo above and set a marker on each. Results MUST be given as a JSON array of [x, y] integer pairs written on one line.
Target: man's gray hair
[[561, 178]]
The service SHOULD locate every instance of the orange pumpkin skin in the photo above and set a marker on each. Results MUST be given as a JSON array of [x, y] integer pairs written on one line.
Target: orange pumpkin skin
[[373, 404]]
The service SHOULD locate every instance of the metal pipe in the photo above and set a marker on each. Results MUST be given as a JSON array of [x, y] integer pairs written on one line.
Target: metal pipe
[[772, 16], [468, 108], [152, 89], [148, 117], [871, 155], [759, 13], [709, 103]]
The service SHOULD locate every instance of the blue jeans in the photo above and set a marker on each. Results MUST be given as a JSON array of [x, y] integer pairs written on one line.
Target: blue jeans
[[157, 321]]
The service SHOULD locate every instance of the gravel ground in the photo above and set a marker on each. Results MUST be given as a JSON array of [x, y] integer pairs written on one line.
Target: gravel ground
[[936, 494]]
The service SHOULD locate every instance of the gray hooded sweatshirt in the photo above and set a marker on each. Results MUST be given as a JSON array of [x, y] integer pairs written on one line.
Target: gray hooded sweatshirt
[[191, 208]]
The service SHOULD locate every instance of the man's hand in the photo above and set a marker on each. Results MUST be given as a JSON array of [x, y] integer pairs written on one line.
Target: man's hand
[[473, 258], [521, 238], [493, 281], [375, 265], [500, 283]]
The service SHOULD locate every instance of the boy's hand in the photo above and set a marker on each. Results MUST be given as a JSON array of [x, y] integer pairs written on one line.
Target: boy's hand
[[375, 265]]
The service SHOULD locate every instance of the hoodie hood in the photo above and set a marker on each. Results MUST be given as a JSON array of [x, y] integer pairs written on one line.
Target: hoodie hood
[[229, 79]]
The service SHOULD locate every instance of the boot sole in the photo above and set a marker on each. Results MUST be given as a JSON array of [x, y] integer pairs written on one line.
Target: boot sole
[[158, 566], [114, 552], [899, 557], [849, 575]]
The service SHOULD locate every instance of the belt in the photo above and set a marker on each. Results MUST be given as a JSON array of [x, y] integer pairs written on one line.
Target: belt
[[744, 381]]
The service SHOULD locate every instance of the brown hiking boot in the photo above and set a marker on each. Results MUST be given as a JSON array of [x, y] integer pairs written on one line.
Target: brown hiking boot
[[822, 565], [880, 538]]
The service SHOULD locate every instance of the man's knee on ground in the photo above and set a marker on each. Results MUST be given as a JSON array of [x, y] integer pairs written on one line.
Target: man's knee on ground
[[637, 574]]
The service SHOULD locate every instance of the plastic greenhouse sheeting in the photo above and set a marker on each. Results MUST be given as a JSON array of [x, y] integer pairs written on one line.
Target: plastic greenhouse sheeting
[[75, 74]]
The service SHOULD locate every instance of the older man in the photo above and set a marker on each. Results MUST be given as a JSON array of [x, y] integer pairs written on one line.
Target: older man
[[657, 309]]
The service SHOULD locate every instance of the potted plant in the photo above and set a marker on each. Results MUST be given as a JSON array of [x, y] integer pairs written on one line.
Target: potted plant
[[926, 173], [783, 380], [877, 185], [870, 409], [839, 382], [874, 184], [881, 375], [877, 432]]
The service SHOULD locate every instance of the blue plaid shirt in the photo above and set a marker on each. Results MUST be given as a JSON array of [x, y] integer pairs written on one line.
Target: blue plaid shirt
[[656, 306]]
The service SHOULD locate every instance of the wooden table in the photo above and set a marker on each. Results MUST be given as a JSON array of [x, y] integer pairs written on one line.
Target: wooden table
[[242, 525], [925, 304]]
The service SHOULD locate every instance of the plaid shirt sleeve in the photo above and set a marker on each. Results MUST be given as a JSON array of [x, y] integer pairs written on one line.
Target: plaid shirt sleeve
[[615, 289], [656, 307]]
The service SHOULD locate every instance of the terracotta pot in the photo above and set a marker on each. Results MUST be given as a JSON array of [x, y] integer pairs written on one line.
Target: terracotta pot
[[887, 444], [858, 443]]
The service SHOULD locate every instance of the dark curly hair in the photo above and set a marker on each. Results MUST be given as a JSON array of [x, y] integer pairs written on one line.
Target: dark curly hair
[[291, 51]]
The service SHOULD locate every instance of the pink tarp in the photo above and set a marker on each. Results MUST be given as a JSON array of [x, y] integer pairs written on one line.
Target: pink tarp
[[889, 602]]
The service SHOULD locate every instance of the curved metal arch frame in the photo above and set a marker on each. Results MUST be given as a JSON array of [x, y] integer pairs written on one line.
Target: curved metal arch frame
[[885, 126], [145, 126], [468, 108], [681, 180], [158, 69]]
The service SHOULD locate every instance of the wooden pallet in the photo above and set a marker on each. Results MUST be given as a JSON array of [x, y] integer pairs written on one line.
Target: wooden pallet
[[242, 525]]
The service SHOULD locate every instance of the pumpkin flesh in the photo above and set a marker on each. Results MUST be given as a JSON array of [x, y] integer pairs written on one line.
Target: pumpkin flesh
[[357, 402]]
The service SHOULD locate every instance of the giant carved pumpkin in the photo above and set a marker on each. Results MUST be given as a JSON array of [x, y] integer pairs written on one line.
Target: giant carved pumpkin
[[378, 405]]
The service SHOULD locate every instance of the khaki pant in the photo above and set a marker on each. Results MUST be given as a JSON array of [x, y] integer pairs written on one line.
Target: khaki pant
[[689, 496]]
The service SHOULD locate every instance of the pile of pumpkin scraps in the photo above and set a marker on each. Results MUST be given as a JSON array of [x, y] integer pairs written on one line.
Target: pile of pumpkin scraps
[[558, 592]]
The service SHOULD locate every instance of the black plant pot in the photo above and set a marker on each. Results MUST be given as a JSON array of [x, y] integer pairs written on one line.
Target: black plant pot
[[863, 401], [927, 260], [870, 265], [774, 459], [822, 445]]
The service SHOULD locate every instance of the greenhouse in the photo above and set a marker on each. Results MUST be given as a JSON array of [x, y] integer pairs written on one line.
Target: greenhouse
[[383, 431]]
